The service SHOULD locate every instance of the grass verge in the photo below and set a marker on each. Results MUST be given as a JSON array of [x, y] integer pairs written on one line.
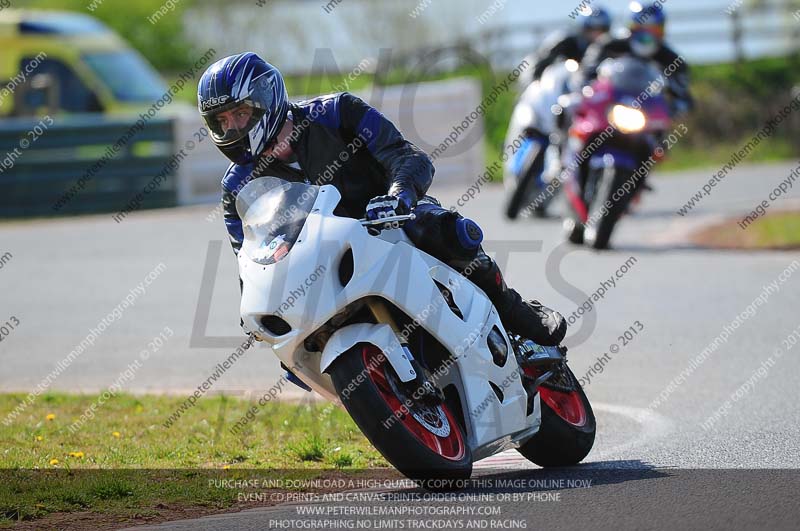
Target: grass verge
[[687, 157], [774, 231], [124, 463]]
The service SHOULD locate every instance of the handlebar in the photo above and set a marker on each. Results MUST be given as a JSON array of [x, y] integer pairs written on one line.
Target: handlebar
[[390, 219]]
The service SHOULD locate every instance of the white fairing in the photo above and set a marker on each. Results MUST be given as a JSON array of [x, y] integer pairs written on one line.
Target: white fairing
[[377, 334], [304, 289], [534, 109]]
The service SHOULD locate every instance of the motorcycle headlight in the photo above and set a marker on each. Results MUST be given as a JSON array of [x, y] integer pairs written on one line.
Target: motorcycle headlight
[[627, 119]]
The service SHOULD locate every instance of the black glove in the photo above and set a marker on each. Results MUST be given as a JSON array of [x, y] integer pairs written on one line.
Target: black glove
[[678, 107]]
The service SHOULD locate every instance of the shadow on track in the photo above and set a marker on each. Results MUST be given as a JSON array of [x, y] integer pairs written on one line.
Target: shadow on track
[[545, 479]]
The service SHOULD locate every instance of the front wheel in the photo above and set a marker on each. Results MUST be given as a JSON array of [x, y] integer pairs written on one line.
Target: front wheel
[[422, 442], [608, 206], [568, 427], [531, 170], [574, 230]]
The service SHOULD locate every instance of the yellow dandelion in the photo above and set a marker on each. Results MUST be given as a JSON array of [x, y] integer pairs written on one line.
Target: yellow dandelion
[[51, 416], [226, 467], [115, 434], [54, 461], [39, 438], [76, 454]]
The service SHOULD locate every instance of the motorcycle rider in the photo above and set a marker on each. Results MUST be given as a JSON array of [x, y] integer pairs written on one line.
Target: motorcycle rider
[[531, 120], [645, 39], [244, 103], [594, 22]]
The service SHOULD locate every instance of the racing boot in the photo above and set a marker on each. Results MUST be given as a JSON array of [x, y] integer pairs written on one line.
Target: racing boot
[[530, 319]]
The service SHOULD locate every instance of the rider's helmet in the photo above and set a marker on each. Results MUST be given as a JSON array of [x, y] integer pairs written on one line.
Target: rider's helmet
[[256, 90], [594, 20], [647, 21]]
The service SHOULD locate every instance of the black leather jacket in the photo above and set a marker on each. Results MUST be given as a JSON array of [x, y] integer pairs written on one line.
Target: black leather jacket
[[559, 45], [677, 81], [339, 140]]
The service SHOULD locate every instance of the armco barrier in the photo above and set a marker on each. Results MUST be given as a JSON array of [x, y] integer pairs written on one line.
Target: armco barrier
[[37, 179]]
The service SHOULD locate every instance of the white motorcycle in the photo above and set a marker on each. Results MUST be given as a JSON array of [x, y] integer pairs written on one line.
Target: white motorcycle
[[535, 134], [415, 352]]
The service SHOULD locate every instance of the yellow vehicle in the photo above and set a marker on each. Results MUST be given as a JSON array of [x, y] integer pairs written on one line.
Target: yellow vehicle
[[60, 62]]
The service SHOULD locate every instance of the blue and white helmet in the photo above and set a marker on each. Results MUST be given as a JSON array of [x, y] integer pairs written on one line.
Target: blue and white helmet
[[594, 18], [647, 21], [243, 80]]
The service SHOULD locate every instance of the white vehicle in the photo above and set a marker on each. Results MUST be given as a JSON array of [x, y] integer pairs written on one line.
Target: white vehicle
[[372, 321], [533, 140]]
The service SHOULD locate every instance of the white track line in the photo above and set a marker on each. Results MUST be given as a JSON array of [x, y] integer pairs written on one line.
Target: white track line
[[653, 426]]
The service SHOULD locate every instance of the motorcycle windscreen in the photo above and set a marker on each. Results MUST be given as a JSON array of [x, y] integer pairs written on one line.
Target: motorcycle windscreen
[[273, 212], [632, 76]]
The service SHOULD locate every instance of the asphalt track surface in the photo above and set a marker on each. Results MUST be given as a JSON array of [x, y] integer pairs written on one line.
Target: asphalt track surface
[[66, 275]]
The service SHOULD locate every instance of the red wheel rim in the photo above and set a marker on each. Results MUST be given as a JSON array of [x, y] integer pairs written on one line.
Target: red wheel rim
[[450, 447], [568, 406]]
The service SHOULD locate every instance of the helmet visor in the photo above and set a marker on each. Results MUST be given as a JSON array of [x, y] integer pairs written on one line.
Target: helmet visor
[[644, 44], [232, 122], [656, 31]]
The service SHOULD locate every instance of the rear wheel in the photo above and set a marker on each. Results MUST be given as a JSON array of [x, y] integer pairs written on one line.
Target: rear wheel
[[568, 427], [423, 442]]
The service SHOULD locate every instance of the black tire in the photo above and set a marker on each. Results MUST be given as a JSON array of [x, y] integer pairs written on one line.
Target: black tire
[[558, 442], [519, 197], [573, 230], [599, 235], [540, 210], [403, 449]]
